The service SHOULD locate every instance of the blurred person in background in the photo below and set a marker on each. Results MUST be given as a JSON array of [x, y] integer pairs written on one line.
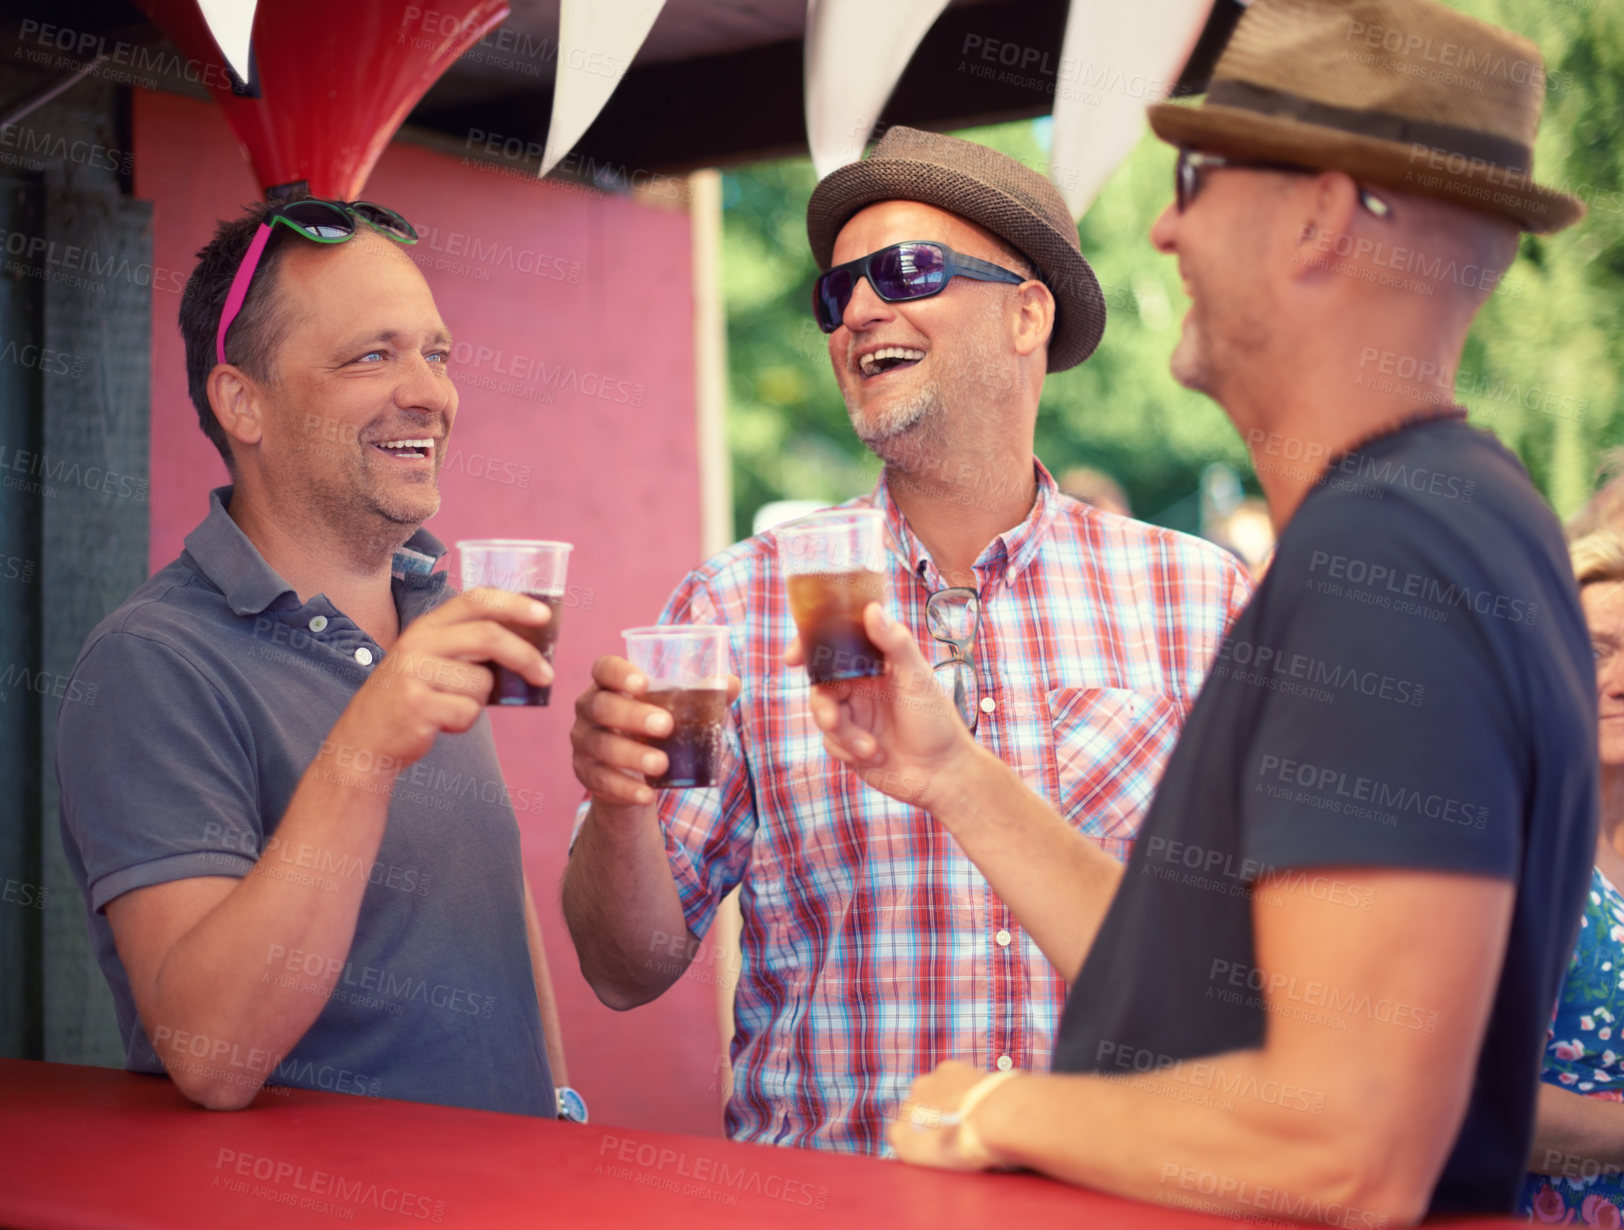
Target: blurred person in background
[[1605, 509], [1578, 1155], [1096, 487]]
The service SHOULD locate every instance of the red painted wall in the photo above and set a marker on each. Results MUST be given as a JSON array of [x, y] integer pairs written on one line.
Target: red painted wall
[[574, 323]]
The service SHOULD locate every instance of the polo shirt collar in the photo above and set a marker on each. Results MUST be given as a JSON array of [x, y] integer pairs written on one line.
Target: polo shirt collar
[[222, 553], [1002, 560]]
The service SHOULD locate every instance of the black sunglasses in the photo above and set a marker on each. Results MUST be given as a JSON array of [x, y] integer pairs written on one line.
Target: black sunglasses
[[1187, 178], [916, 269]]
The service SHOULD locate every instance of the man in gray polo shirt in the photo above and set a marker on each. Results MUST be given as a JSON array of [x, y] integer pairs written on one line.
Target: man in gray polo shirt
[[299, 860]]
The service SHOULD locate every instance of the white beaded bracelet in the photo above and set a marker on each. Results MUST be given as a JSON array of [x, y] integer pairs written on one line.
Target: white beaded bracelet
[[969, 1140]]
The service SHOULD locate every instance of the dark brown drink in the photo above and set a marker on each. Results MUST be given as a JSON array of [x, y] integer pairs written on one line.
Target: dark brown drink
[[828, 611], [512, 688], [694, 749]]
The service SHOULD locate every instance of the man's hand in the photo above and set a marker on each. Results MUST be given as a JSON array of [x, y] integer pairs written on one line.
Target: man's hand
[[619, 898], [435, 679], [610, 720], [929, 1129], [899, 731]]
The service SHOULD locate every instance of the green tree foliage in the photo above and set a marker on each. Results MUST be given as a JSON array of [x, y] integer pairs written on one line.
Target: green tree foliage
[[1541, 369]]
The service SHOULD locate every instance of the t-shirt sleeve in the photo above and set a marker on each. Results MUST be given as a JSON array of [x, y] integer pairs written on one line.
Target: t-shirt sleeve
[[1390, 729], [157, 778], [708, 833]]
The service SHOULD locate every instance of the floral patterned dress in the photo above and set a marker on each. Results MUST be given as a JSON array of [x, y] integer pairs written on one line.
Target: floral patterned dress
[[1584, 1055]]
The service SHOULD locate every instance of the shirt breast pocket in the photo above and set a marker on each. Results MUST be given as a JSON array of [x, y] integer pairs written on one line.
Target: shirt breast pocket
[[1110, 746]]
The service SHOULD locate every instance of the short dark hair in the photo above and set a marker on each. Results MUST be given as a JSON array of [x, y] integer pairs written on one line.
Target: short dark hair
[[259, 329]]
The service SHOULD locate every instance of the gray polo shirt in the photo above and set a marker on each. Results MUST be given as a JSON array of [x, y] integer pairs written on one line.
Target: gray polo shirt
[[197, 707]]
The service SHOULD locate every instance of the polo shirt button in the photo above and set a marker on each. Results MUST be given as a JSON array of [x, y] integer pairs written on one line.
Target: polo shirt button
[[1009, 575], [363, 655], [1003, 938], [319, 624], [988, 704], [1005, 1063]]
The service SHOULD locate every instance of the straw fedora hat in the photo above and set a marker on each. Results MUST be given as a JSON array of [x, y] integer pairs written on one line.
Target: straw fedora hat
[[1403, 93], [982, 186]]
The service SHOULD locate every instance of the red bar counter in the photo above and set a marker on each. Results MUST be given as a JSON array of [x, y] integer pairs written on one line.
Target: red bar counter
[[93, 1147]]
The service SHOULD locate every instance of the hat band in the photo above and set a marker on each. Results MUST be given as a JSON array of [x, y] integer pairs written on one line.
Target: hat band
[[1384, 126]]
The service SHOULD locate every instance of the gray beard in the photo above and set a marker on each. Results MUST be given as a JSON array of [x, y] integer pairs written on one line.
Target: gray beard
[[899, 421]]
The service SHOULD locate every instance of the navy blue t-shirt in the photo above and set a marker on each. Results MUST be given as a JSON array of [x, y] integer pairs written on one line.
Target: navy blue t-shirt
[[1411, 686], [203, 700]]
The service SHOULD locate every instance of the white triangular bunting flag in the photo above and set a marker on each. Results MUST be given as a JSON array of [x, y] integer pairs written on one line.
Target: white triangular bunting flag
[[856, 51], [231, 22], [596, 42], [1117, 59]]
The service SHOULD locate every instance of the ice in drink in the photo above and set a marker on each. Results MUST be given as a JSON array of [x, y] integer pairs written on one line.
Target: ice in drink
[[828, 612]]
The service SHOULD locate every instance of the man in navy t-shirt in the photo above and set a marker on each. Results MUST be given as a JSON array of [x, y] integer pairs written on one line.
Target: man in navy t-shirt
[[1320, 987], [284, 809]]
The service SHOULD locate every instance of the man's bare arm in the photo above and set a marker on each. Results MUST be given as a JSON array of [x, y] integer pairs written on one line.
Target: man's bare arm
[[551, 1029], [620, 900], [1577, 1137], [1362, 1116]]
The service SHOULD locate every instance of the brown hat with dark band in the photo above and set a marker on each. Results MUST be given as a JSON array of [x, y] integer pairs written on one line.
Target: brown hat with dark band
[[982, 186], [1403, 93]]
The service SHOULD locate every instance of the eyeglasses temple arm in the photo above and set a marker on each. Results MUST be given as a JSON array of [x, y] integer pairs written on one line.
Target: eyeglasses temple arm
[[239, 288], [996, 273]]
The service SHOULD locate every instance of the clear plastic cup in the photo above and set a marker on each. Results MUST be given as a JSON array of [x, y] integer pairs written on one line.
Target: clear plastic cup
[[686, 665], [522, 566]]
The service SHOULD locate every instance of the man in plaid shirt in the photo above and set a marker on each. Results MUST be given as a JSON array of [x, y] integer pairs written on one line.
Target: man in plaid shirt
[[872, 947]]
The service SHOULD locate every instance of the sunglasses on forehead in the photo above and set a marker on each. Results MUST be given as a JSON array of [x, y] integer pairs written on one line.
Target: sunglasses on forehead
[[319, 221], [915, 269]]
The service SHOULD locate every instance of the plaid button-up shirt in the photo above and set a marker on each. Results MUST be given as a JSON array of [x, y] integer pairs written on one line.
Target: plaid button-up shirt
[[872, 947]]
